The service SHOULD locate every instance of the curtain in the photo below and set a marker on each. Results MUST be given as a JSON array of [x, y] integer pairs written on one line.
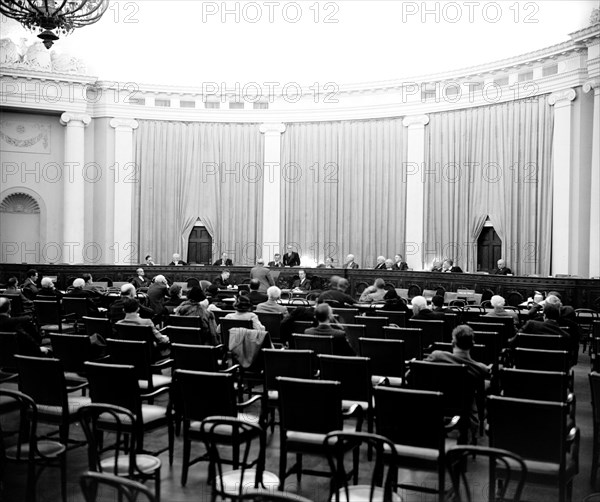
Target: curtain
[[198, 171], [491, 161], [343, 189]]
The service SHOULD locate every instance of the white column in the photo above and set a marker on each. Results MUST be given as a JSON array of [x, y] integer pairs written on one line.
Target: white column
[[562, 171], [594, 270], [271, 189], [73, 197], [415, 190], [126, 176]]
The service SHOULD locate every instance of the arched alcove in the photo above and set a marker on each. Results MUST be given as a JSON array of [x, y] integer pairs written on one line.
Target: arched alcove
[[20, 220]]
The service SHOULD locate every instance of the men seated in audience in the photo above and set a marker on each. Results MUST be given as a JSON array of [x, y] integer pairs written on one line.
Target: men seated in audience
[[78, 291], [393, 302], [549, 325], [157, 295], [263, 275], [28, 339], [336, 296], [270, 306], [302, 283], [502, 268], [224, 261], [388, 264], [399, 263], [89, 285], [116, 312], [498, 303], [420, 310], [175, 297], [291, 258], [436, 266], [350, 263], [276, 261], [449, 266], [12, 289], [150, 261], [48, 291], [29, 287], [222, 281], [177, 261], [243, 312], [255, 295], [437, 304], [374, 293], [328, 326], [380, 265], [132, 317], [195, 306], [140, 280]]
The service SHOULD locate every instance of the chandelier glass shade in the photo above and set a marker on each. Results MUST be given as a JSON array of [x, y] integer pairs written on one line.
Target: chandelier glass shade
[[54, 17]]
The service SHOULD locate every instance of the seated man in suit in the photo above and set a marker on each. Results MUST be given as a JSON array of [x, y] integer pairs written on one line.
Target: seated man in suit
[[420, 310], [224, 261], [222, 281], [549, 326], [276, 261], [140, 280], [291, 258], [336, 296], [399, 263], [116, 312], [149, 261], [270, 306], [12, 289], [374, 293], [78, 291], [328, 326], [48, 291], [255, 295], [498, 303], [437, 302], [350, 263], [388, 264], [177, 261], [449, 266], [502, 268], [29, 287], [436, 266], [132, 317], [157, 296], [380, 265], [28, 339], [302, 283], [89, 285]]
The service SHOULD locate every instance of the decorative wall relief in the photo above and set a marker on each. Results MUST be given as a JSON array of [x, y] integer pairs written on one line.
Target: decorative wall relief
[[24, 137]]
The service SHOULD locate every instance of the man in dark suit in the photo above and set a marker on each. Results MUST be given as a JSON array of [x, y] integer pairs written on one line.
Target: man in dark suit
[[337, 296], [177, 261], [140, 281], [302, 282], [222, 281], [276, 261], [549, 326], [291, 258], [350, 263], [502, 268], [224, 261], [78, 291], [328, 326], [263, 275], [29, 287], [28, 338], [449, 266], [420, 310], [255, 295], [380, 265], [399, 263]]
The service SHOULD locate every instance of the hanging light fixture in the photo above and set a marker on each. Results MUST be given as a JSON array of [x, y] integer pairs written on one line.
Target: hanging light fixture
[[53, 17]]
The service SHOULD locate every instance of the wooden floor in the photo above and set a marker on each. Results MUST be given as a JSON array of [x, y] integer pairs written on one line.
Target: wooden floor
[[314, 488]]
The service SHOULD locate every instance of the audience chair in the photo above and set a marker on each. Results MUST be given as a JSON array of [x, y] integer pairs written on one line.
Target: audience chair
[[318, 344], [512, 466], [185, 334], [251, 495], [345, 315], [413, 420], [542, 342], [219, 314], [248, 457], [49, 317], [387, 359], [76, 309], [504, 326], [492, 345], [133, 332], [585, 319], [122, 489], [272, 323], [227, 324], [111, 447], [308, 411], [353, 333], [478, 352], [595, 395], [373, 324], [537, 431], [433, 331], [542, 360], [29, 448], [16, 303], [397, 317], [412, 338], [184, 321], [99, 326], [73, 351], [8, 364], [381, 487]]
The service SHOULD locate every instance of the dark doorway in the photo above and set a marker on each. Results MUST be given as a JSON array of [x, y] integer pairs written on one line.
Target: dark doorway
[[200, 246], [489, 250]]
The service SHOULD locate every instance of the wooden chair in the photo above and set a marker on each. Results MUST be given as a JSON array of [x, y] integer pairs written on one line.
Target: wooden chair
[[186, 335], [97, 325], [50, 319], [397, 317], [412, 338], [345, 315], [542, 360], [353, 333], [272, 323], [542, 342], [124, 489], [433, 331], [374, 325], [387, 359]]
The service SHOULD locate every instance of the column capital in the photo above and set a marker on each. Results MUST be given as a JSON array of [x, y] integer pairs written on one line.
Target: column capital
[[593, 83], [415, 121], [71, 118], [562, 98], [272, 128], [124, 124]]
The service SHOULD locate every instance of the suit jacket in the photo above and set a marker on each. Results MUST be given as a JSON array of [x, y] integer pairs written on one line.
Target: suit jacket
[[291, 261], [379, 266], [180, 263], [350, 265], [257, 297], [219, 263], [400, 266], [89, 296], [30, 289], [429, 315], [275, 264], [543, 328], [304, 285], [263, 274], [503, 271], [221, 283], [156, 297], [454, 269], [335, 296], [140, 282], [271, 307], [341, 347], [28, 339]]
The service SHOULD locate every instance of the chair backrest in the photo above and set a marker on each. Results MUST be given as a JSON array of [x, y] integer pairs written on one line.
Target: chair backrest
[[542, 342], [313, 406], [450, 322], [410, 417], [76, 306], [272, 323], [412, 337], [8, 348], [433, 331], [261, 495], [381, 485], [94, 483], [354, 373], [218, 395], [397, 317], [16, 303], [72, 350], [185, 334], [530, 384], [514, 473], [478, 352], [543, 360], [134, 333], [345, 316], [492, 345], [196, 357], [374, 325], [135, 353], [287, 363], [26, 430], [43, 379], [219, 314], [227, 324], [98, 325], [319, 344], [535, 430], [353, 333], [387, 356], [47, 312], [115, 384], [184, 321], [504, 326]]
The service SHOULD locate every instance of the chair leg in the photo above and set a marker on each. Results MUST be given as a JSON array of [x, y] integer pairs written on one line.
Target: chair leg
[[186, 459], [282, 467], [63, 476], [299, 467], [171, 434], [157, 484], [595, 454]]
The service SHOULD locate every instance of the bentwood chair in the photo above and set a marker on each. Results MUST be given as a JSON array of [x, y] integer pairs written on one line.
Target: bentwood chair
[[94, 483]]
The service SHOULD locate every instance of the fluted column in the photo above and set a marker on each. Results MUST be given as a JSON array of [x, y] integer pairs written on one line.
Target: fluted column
[[594, 268], [126, 176], [415, 190], [271, 189], [73, 183]]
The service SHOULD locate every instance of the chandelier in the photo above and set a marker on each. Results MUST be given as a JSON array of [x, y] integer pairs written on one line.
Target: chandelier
[[53, 17]]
